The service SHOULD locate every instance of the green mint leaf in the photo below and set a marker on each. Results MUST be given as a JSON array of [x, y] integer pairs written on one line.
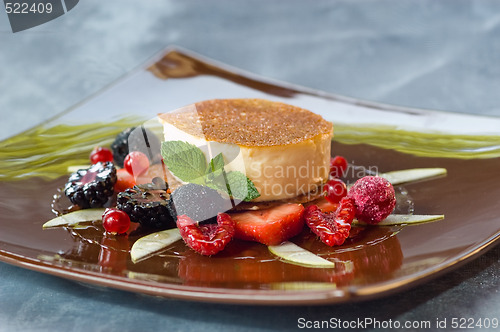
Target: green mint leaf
[[217, 163], [240, 187], [252, 192], [218, 185], [186, 161], [215, 172]]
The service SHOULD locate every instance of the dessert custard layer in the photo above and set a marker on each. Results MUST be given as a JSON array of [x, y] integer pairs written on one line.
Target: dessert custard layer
[[283, 149]]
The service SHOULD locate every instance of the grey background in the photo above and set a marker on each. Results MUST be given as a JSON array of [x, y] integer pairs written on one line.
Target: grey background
[[429, 54]]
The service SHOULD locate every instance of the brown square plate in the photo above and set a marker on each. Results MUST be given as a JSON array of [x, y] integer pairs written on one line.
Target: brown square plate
[[374, 262]]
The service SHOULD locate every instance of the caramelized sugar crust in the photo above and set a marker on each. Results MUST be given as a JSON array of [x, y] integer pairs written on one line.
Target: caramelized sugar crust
[[249, 122]]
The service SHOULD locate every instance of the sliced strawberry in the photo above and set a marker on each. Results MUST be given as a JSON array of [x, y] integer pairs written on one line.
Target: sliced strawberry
[[123, 180], [269, 226]]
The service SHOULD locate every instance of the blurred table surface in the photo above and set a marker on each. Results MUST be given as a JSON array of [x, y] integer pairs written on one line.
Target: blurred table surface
[[423, 53]]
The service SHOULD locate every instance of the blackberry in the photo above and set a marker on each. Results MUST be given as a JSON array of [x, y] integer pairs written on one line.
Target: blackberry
[[199, 203], [147, 204], [136, 139], [92, 187]]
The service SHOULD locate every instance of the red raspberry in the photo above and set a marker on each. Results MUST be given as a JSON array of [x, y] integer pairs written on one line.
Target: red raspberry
[[374, 198], [331, 227], [206, 239]]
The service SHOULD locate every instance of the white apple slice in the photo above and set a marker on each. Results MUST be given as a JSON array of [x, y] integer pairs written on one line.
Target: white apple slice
[[75, 217], [406, 219], [292, 253], [409, 175], [154, 242]]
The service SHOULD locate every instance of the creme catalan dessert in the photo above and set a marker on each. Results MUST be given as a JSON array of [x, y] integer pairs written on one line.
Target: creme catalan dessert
[[283, 149]]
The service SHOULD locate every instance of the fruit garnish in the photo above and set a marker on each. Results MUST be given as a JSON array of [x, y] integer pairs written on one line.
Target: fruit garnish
[[148, 204], [188, 163], [115, 221], [338, 166], [100, 154], [334, 190], [292, 253], [135, 139], [75, 217], [269, 226], [120, 146], [136, 163], [210, 190], [410, 175], [323, 205], [124, 180], [326, 206], [331, 227], [374, 198], [198, 202], [207, 239], [405, 219], [92, 187], [154, 171], [154, 242]]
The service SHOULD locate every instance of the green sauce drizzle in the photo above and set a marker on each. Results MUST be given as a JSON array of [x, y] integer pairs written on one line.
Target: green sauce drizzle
[[47, 151], [423, 144]]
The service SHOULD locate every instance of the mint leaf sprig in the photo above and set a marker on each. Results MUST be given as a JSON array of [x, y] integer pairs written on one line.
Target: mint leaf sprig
[[188, 163]]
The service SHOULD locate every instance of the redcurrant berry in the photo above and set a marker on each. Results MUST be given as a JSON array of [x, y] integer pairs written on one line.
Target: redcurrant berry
[[136, 163], [115, 221], [100, 154], [338, 166], [334, 190]]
